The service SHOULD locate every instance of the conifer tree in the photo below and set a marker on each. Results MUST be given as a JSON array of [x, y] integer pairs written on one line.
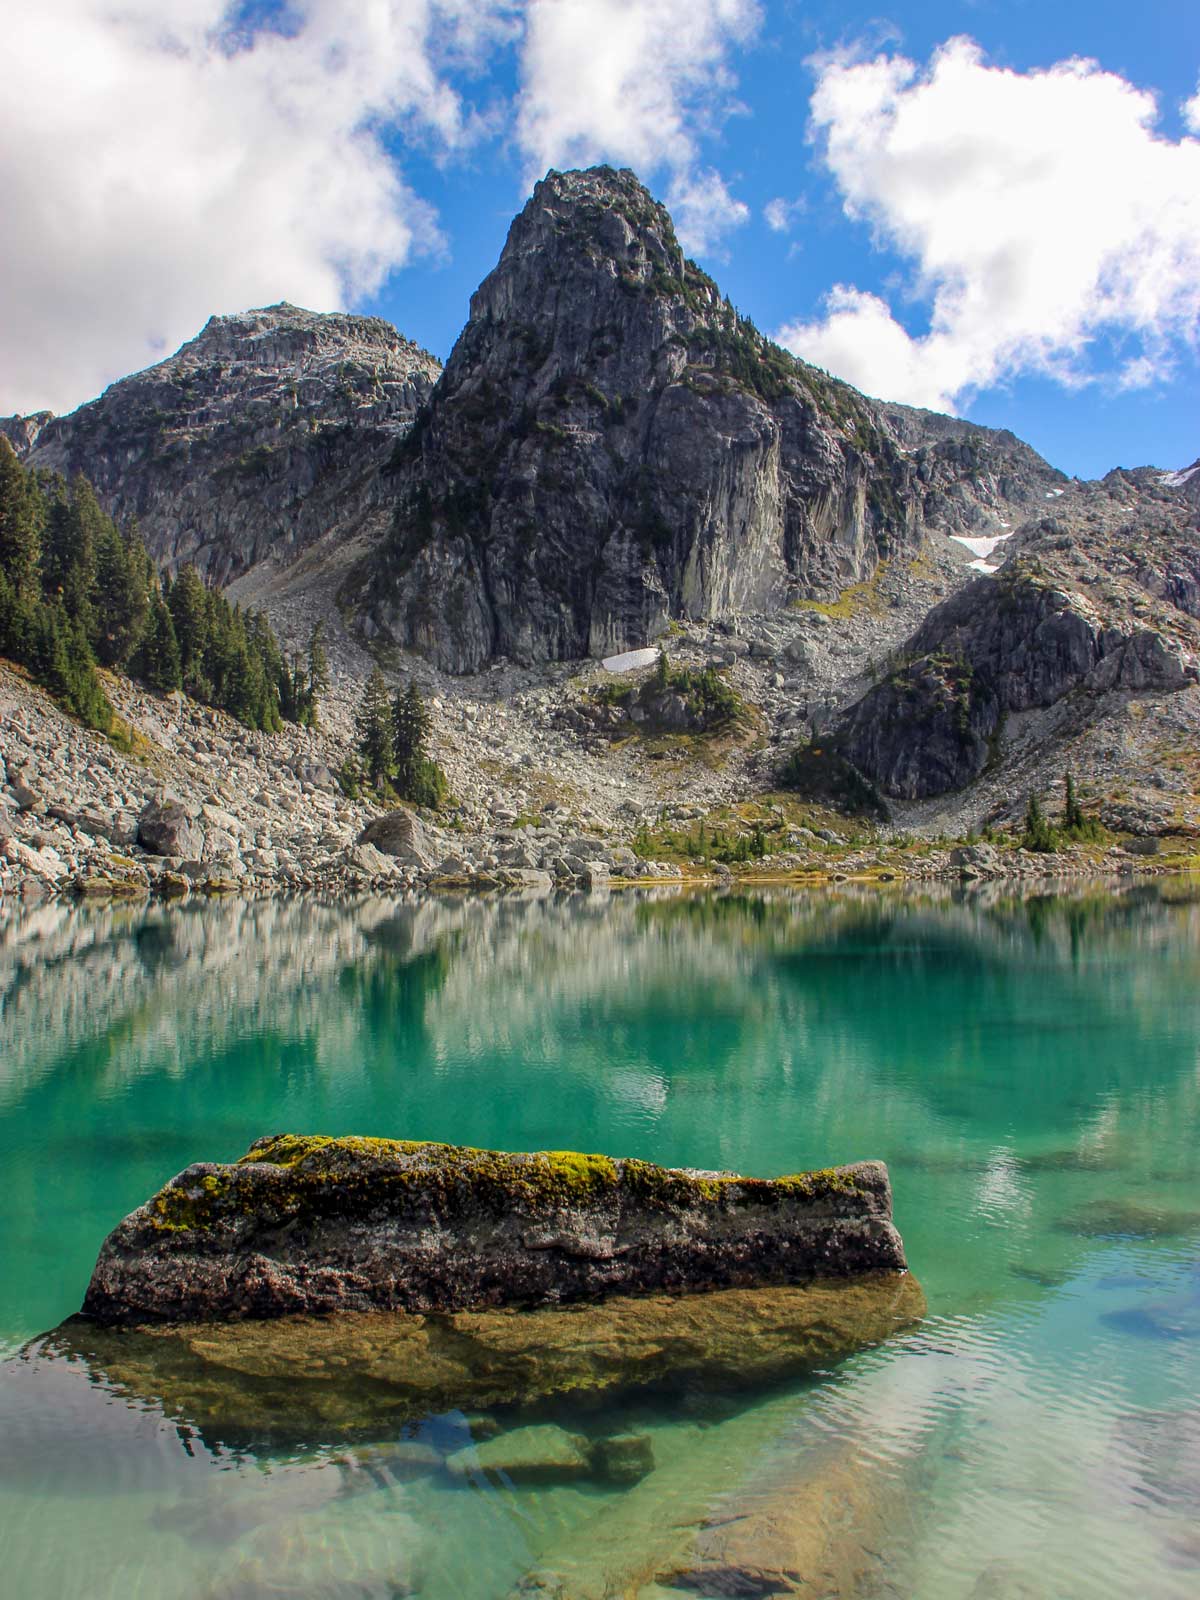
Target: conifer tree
[[21, 514], [318, 676], [69, 550], [158, 659], [188, 602], [411, 725], [121, 602], [1072, 810], [373, 725]]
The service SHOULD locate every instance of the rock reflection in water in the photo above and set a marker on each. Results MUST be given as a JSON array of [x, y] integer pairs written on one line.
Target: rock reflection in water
[[245, 1385]]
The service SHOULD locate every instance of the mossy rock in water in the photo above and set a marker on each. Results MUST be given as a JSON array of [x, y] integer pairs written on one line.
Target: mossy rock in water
[[349, 1376], [318, 1224]]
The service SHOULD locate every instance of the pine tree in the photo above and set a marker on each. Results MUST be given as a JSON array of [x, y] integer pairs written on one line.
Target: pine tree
[[1038, 835], [188, 602], [1072, 811], [73, 523], [411, 726], [318, 675], [121, 602], [158, 659], [373, 725], [22, 512]]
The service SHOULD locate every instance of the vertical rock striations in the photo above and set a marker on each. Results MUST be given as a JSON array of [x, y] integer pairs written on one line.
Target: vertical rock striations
[[612, 445]]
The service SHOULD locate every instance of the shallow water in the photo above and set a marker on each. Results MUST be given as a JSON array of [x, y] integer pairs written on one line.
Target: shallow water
[[1028, 1068]]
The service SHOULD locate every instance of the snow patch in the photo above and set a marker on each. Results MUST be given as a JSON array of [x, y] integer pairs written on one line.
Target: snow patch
[[981, 548], [1176, 480], [630, 660], [982, 566]]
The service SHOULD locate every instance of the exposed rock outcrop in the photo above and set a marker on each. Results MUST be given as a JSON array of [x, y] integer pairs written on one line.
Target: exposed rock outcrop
[[400, 834], [611, 445], [1102, 598], [252, 441], [968, 478], [319, 1224], [167, 828]]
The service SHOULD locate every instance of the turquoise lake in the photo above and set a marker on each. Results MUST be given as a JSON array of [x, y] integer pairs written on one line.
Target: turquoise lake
[[1029, 1068]]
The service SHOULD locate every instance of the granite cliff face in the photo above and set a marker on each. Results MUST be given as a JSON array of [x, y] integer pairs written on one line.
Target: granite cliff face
[[1100, 599], [249, 443], [612, 445]]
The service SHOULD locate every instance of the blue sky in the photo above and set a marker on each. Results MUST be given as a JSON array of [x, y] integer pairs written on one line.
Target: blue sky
[[974, 225]]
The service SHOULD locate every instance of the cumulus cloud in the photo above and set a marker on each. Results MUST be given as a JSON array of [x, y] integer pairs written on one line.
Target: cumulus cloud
[[1191, 111], [704, 210], [637, 83], [1042, 214], [159, 163]]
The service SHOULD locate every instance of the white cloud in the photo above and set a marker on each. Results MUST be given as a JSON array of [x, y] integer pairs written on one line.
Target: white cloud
[[779, 213], [156, 165], [1191, 111], [1041, 213], [637, 83], [704, 210]]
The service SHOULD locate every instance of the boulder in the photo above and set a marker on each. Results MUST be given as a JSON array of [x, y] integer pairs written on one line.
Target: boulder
[[542, 1453], [318, 1224], [623, 1458], [400, 833], [167, 828]]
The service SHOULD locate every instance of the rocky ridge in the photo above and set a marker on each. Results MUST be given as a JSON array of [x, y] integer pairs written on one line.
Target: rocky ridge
[[248, 443], [544, 410], [1097, 607]]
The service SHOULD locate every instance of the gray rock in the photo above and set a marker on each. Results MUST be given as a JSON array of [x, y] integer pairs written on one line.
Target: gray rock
[[166, 828], [722, 474], [27, 799], [251, 440], [401, 834], [542, 1453], [623, 1458], [315, 1225]]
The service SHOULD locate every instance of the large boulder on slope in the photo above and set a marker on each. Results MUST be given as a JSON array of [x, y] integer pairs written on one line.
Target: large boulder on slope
[[167, 828], [401, 834]]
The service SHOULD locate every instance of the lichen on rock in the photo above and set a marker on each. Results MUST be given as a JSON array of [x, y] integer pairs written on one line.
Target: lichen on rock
[[318, 1224]]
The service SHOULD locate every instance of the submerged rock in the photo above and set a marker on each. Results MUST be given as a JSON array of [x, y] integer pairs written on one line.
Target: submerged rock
[[315, 1224], [1120, 1218], [362, 1375], [543, 1453]]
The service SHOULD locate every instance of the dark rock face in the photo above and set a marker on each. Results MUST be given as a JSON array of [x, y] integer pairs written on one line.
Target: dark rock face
[[611, 445], [319, 1225], [166, 828], [1100, 599], [967, 476], [22, 432], [251, 441]]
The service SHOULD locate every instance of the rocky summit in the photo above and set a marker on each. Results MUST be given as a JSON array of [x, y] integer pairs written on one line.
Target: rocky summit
[[612, 446], [250, 442], [320, 1224]]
